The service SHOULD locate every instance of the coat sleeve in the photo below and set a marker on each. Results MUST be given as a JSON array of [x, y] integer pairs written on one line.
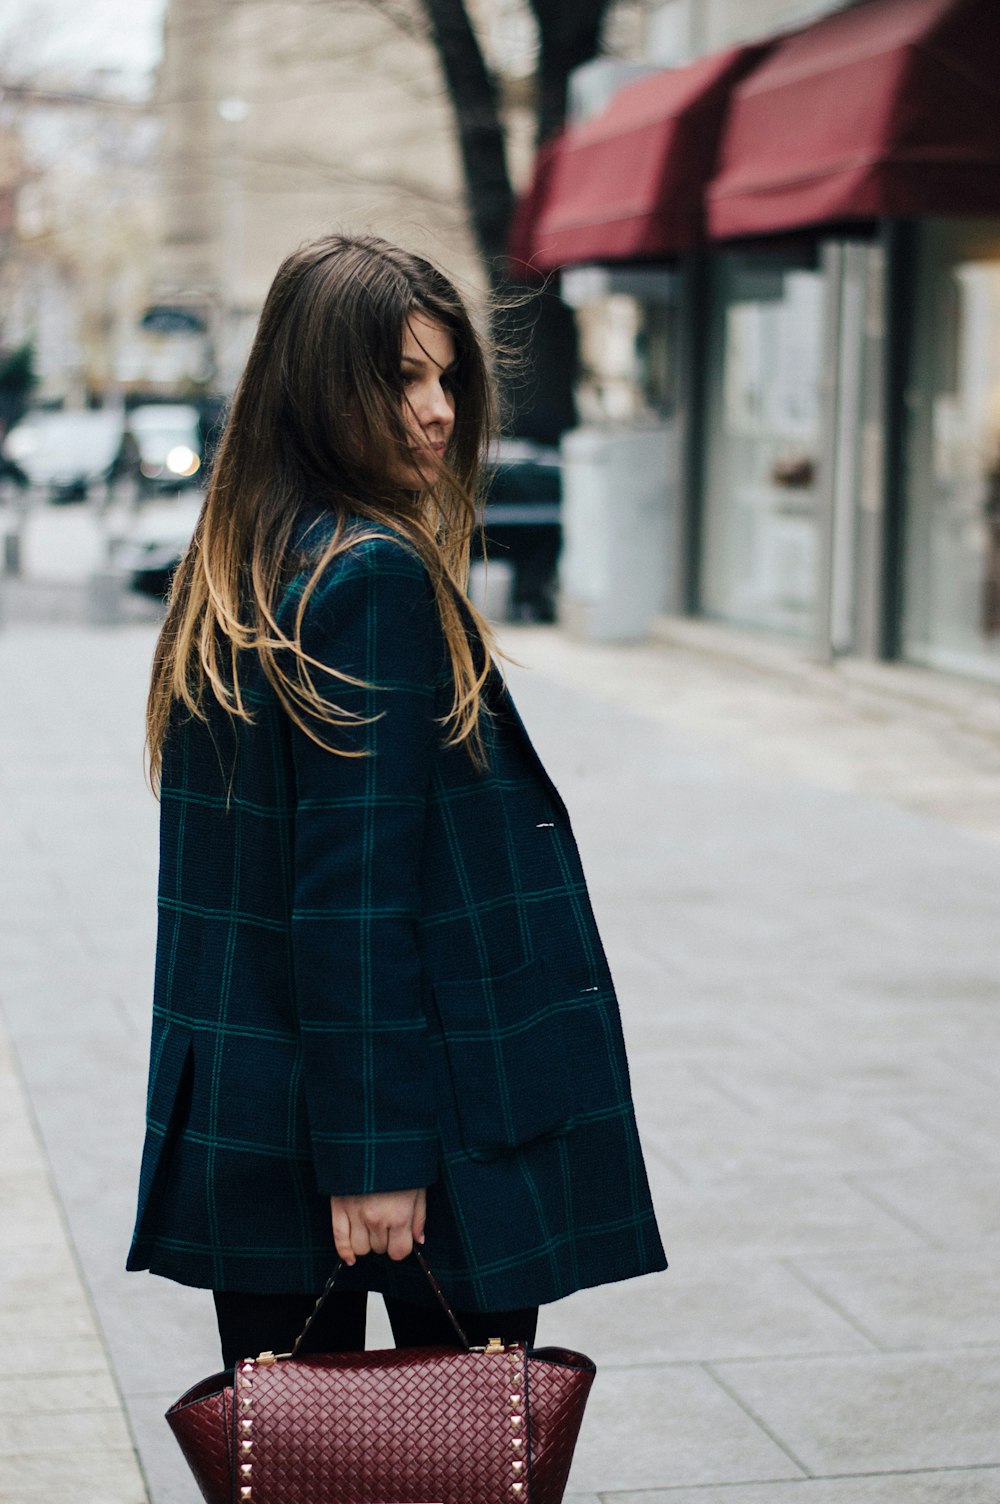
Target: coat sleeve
[[359, 831]]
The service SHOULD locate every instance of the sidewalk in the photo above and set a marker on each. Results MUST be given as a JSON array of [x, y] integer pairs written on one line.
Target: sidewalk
[[62, 1429], [804, 935]]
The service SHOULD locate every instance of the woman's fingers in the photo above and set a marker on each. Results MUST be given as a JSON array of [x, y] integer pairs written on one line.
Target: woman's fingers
[[419, 1215], [399, 1242], [385, 1222], [340, 1217]]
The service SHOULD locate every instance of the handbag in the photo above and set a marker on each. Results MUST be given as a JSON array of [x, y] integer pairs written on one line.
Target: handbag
[[422, 1425]]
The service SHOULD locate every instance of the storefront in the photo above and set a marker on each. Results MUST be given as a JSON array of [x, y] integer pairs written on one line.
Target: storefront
[[835, 445], [951, 582], [760, 530]]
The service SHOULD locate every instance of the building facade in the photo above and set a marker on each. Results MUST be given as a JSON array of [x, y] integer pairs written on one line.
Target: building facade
[[804, 422], [285, 120], [77, 226]]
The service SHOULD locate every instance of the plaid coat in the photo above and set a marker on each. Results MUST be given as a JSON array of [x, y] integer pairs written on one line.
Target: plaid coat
[[378, 973]]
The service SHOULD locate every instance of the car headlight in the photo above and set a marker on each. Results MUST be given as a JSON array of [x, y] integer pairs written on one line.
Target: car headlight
[[183, 461]]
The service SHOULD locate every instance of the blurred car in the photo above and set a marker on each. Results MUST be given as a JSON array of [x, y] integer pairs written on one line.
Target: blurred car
[[66, 454], [165, 440], [521, 519], [150, 549], [522, 522]]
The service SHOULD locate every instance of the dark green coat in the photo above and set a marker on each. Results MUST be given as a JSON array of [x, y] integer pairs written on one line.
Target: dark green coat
[[379, 973]]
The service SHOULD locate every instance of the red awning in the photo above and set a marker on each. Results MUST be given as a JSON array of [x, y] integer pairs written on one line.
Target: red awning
[[891, 107], [527, 211], [627, 185]]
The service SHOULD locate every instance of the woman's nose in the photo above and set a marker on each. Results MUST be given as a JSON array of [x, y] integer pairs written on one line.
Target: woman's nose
[[439, 407]]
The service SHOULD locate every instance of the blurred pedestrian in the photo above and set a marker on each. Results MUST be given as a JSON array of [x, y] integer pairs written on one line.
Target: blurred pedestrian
[[382, 1012]]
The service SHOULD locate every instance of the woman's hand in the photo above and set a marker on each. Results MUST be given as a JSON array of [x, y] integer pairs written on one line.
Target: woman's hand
[[384, 1222]]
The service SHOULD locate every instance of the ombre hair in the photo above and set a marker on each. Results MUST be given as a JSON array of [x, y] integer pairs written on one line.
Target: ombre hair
[[318, 419]]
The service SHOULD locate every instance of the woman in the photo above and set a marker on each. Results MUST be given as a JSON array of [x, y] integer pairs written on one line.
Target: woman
[[382, 1012]]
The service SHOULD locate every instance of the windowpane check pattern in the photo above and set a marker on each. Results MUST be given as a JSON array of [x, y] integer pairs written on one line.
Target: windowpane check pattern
[[381, 972]]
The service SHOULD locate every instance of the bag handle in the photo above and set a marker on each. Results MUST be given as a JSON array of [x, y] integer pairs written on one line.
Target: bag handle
[[439, 1293]]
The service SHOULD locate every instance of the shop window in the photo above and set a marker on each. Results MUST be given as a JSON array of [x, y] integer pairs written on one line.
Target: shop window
[[951, 615], [760, 535]]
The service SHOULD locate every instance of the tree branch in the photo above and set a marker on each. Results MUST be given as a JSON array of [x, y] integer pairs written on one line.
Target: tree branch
[[476, 102]]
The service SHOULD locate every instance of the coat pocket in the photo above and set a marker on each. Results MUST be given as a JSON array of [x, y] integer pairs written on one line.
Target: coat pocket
[[506, 1048]]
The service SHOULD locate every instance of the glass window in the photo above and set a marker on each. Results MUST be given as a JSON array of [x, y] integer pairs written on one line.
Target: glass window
[[760, 537], [951, 614]]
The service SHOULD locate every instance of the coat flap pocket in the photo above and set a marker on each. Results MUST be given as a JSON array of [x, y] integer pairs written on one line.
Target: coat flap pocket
[[507, 1057]]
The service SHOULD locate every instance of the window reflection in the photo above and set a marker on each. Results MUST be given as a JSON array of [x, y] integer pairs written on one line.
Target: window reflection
[[760, 554], [952, 602]]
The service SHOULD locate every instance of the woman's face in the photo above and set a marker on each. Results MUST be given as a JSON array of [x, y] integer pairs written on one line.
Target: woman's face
[[427, 361]]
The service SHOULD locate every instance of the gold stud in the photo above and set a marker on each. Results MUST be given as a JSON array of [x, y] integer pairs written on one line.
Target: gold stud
[[518, 1467], [246, 1425], [245, 1491], [518, 1488], [245, 1469], [518, 1443], [516, 1420], [246, 1444]]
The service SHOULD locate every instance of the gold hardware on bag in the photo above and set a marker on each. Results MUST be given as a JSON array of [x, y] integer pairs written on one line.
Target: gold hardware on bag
[[267, 1358]]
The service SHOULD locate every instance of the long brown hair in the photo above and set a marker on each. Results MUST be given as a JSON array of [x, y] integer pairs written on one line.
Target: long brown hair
[[317, 412]]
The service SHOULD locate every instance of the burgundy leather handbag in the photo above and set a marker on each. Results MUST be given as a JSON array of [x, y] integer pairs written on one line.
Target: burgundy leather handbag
[[421, 1425]]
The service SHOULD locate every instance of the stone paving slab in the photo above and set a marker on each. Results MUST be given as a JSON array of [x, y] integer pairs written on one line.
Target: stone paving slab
[[885, 1413], [734, 1308], [961, 1486], [62, 1424], [649, 1427], [915, 1299], [950, 1204]]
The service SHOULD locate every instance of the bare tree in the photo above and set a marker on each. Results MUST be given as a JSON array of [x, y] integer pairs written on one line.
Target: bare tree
[[475, 100], [569, 34]]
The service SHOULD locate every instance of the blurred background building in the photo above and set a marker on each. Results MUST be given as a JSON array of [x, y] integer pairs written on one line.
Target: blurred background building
[[282, 121], [783, 244], [77, 229], [776, 223]]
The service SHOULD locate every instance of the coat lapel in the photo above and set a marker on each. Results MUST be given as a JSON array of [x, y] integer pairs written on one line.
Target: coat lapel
[[503, 699], [500, 697]]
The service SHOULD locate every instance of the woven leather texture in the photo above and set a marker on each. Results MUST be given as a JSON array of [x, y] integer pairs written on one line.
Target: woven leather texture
[[558, 1385], [202, 1421], [411, 1426]]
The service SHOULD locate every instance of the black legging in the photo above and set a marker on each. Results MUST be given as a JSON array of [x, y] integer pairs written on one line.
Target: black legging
[[250, 1324]]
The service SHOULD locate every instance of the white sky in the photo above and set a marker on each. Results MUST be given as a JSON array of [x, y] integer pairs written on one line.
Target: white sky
[[70, 34]]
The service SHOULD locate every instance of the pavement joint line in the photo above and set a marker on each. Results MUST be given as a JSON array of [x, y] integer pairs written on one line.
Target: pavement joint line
[[729, 1093], [758, 1420], [854, 1180], [790, 1264], [613, 1495], [980, 1158]]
